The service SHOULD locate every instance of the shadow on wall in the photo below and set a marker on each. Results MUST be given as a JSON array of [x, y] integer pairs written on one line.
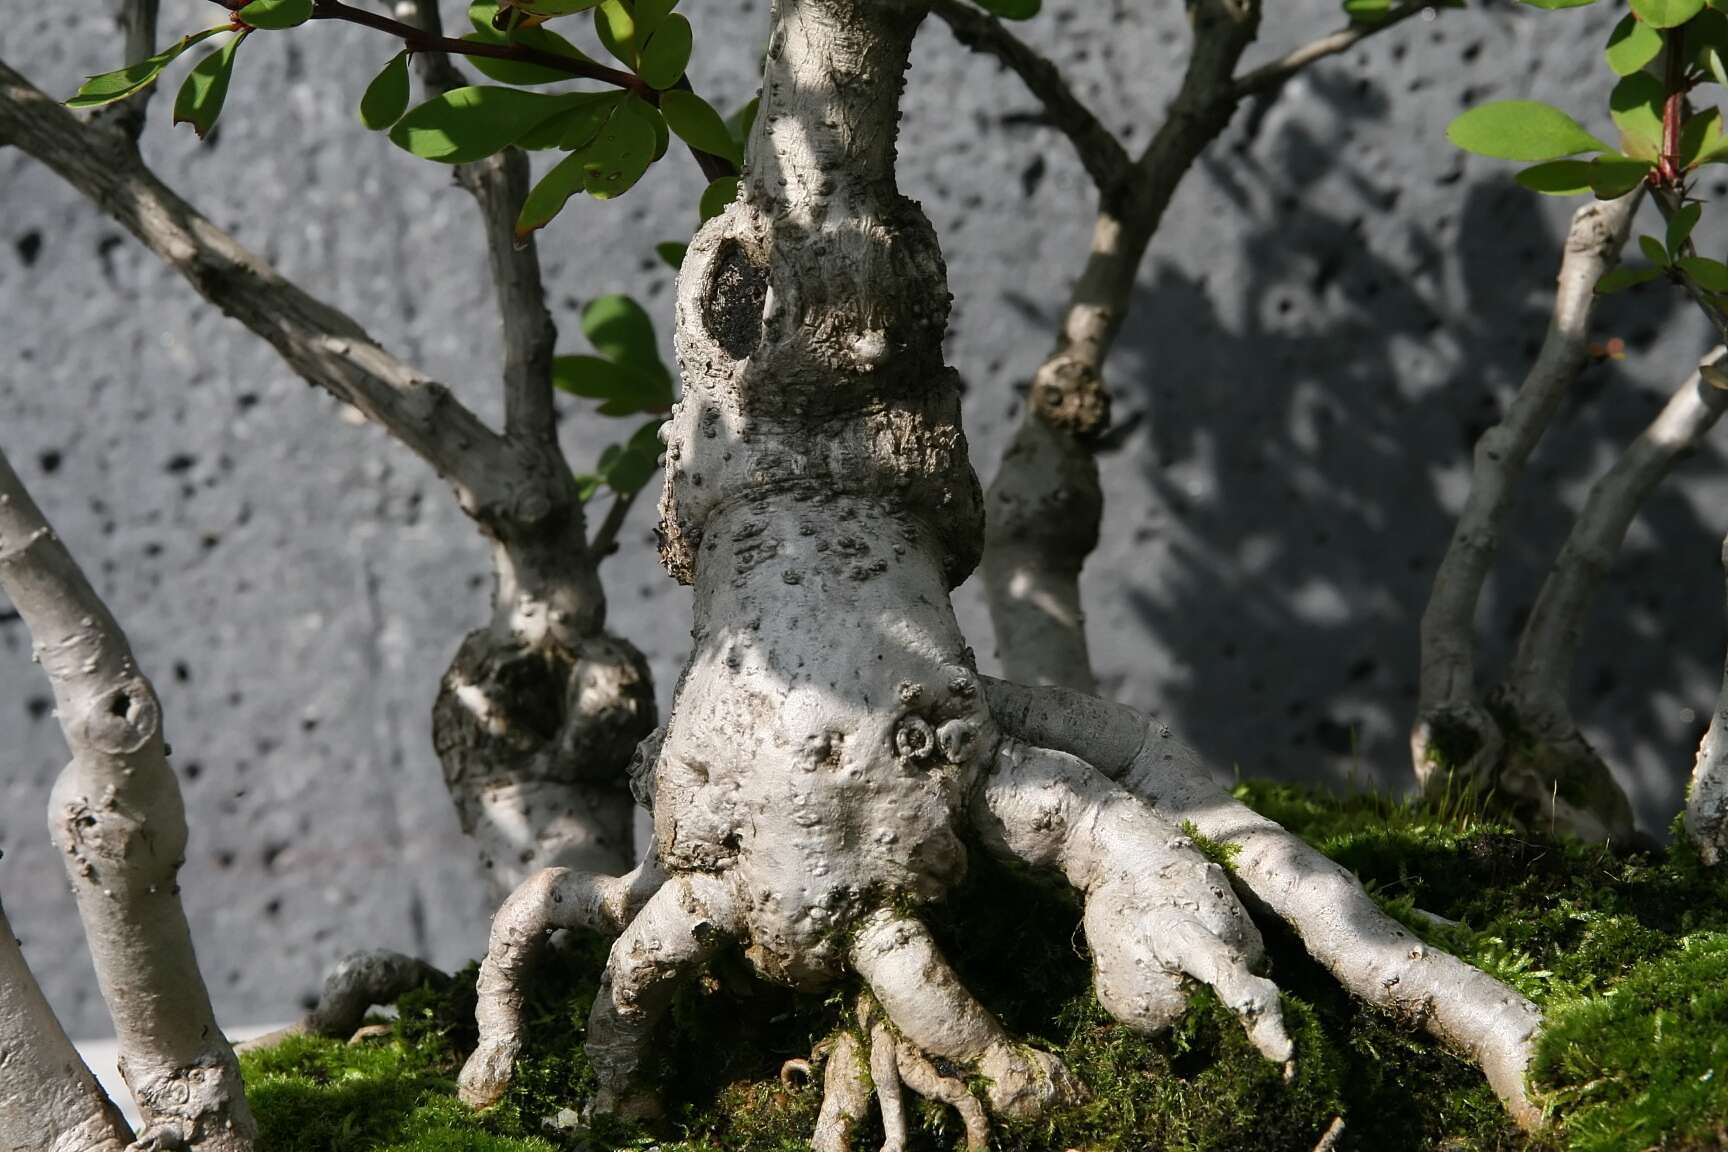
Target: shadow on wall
[[1308, 450]]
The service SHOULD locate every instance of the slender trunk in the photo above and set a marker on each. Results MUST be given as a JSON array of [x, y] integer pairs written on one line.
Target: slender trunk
[[1707, 798], [1549, 766], [1454, 735], [116, 814], [49, 1102], [1045, 506]]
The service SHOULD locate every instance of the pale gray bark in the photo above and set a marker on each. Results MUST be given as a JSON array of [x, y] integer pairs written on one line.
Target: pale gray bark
[[49, 1101], [1549, 765], [1370, 954], [538, 783], [1454, 736], [116, 814], [354, 986], [1707, 798], [845, 1095], [1045, 506]]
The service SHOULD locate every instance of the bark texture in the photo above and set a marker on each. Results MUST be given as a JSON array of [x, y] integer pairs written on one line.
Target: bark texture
[[1549, 766], [539, 711], [1455, 737], [49, 1101], [1707, 798], [116, 814]]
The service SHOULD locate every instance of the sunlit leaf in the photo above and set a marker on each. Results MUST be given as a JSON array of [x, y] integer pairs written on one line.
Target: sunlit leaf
[[1666, 13], [275, 14], [1636, 105], [1521, 130], [616, 27], [1632, 45], [123, 82]]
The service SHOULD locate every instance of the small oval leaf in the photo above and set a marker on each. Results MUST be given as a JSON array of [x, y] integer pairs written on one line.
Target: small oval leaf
[[123, 82], [1521, 130], [667, 53], [1632, 45], [205, 89], [386, 97], [698, 125], [1666, 13], [275, 14]]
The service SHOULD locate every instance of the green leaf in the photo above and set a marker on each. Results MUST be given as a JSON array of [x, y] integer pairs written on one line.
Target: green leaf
[[667, 53], [649, 14], [581, 125], [615, 24], [1666, 13], [672, 253], [1636, 105], [386, 97], [1680, 227], [620, 330], [741, 121], [1700, 135], [1710, 275], [205, 89], [1367, 11], [465, 124], [594, 378], [1632, 45], [623, 150], [698, 125], [549, 195], [646, 439], [121, 83], [1653, 251], [631, 471], [275, 14], [716, 197], [482, 14], [1011, 9], [586, 485], [553, 7], [1521, 130], [1623, 277], [1611, 177], [1557, 177]]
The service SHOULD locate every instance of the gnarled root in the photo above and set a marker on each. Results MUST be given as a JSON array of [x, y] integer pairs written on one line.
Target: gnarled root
[[1457, 745], [552, 899], [353, 987], [1158, 913], [1369, 953], [681, 926], [845, 1095]]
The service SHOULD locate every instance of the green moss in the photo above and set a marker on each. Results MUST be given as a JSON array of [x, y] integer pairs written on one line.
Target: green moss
[[1629, 954]]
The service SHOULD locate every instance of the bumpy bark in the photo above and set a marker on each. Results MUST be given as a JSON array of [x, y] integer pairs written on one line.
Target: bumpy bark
[[49, 1102], [1707, 798], [1455, 738], [832, 747], [116, 814]]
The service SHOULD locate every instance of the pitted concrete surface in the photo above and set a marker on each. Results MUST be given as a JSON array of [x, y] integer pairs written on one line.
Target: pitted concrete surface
[[1337, 304]]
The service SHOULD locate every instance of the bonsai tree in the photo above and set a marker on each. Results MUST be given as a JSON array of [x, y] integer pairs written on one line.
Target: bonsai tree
[[833, 758]]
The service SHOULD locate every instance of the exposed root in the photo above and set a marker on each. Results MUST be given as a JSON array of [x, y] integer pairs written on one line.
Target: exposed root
[[1334, 1133], [885, 1075], [553, 899], [1158, 913], [1371, 955], [793, 1071], [682, 925], [922, 1076], [845, 1095], [358, 982], [928, 1005]]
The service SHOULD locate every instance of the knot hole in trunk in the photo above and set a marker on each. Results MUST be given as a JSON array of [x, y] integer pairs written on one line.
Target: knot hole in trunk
[[732, 305]]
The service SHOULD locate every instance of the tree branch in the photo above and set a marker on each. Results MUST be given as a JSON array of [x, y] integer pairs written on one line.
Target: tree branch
[[322, 344], [605, 540], [137, 21], [1270, 77], [116, 814], [1707, 798], [1452, 731], [1548, 649], [499, 184], [1100, 153]]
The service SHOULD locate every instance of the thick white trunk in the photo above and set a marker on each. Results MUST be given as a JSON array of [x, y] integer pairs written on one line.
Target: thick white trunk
[[1707, 798]]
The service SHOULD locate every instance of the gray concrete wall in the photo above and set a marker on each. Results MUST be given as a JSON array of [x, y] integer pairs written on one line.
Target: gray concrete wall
[[1336, 306]]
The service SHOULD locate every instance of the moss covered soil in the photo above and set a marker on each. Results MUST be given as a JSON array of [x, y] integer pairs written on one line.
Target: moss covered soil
[[1628, 955]]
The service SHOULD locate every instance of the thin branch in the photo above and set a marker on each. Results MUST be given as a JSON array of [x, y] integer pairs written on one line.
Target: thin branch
[[321, 343], [1270, 77], [117, 818], [137, 21], [605, 540], [1548, 648], [499, 184], [1100, 153]]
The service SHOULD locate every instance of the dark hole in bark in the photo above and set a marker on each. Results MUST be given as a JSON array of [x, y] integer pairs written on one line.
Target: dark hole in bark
[[119, 704], [737, 290]]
